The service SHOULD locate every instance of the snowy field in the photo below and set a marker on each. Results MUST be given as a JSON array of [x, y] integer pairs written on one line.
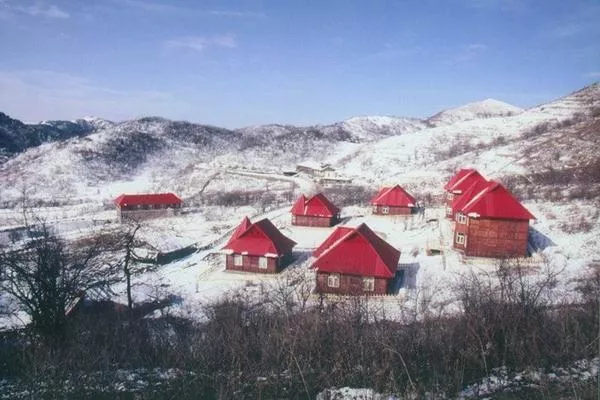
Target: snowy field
[[201, 277], [567, 233]]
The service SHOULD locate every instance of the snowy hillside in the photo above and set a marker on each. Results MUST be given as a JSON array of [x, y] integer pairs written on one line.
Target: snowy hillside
[[153, 153], [488, 108], [15, 136], [357, 129], [497, 146]]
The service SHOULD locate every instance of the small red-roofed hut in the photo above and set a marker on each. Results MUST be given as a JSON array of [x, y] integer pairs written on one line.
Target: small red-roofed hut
[[393, 201], [258, 247], [150, 205], [355, 261], [315, 211]]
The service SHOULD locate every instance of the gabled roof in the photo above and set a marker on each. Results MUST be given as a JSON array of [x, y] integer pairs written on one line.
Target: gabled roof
[[360, 252], [394, 196], [463, 179], [495, 201], [460, 201], [318, 206], [147, 199], [336, 235], [260, 238], [241, 228]]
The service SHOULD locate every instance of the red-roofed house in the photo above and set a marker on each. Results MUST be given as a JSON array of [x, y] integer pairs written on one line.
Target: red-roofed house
[[143, 206], [461, 181], [315, 211], [393, 201], [491, 222], [258, 247], [355, 261]]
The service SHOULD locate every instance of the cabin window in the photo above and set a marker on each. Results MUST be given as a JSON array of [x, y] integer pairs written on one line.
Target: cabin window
[[448, 210], [461, 218], [449, 196], [460, 238], [263, 263], [368, 284], [293, 219], [385, 210], [375, 208], [238, 261], [333, 280]]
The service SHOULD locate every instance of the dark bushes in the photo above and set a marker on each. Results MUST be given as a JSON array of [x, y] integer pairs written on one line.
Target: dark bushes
[[253, 349]]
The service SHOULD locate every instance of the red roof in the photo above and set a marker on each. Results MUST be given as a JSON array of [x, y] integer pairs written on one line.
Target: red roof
[[358, 252], [147, 199], [394, 196], [336, 235], [260, 238], [463, 179], [241, 228], [317, 206], [460, 201], [495, 201]]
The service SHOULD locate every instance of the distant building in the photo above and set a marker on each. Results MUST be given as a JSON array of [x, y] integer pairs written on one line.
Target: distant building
[[144, 206], [355, 261], [316, 169], [315, 211], [334, 181], [258, 247], [393, 201], [491, 222], [460, 182]]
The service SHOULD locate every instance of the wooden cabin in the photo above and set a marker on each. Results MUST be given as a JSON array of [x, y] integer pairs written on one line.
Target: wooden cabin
[[315, 211], [393, 201], [355, 261], [144, 206], [258, 247], [491, 222], [460, 182]]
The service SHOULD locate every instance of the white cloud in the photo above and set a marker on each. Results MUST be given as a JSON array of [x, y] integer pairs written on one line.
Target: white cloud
[[200, 43], [169, 8], [34, 95], [40, 10]]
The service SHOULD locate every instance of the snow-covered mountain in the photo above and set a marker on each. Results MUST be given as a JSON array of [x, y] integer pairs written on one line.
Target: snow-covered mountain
[[15, 136], [551, 135], [355, 130], [488, 108], [153, 153]]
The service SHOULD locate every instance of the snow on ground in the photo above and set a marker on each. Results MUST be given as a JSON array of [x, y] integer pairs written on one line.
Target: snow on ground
[[84, 200], [201, 277]]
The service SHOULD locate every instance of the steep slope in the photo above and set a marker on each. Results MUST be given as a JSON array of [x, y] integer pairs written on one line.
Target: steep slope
[[488, 108], [498, 145]]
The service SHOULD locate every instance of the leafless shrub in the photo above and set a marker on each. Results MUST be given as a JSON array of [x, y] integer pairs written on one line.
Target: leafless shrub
[[537, 130], [270, 348], [348, 195], [579, 225]]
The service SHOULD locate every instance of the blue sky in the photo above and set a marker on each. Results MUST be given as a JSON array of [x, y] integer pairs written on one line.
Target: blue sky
[[239, 63]]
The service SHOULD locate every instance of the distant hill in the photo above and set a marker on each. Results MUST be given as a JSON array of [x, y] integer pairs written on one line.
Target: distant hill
[[86, 159], [16, 136], [488, 108]]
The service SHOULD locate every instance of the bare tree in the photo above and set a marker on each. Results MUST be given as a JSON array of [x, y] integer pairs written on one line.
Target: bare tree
[[46, 275]]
